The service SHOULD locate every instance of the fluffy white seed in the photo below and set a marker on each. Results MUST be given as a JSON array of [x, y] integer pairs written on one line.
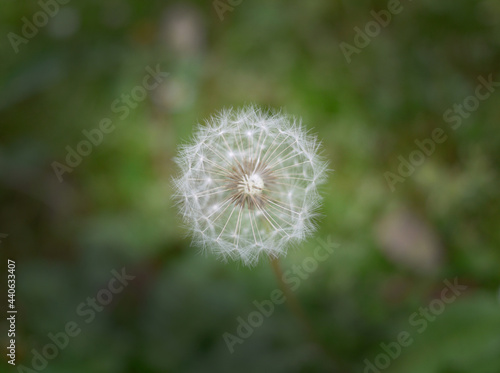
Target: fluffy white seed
[[248, 183]]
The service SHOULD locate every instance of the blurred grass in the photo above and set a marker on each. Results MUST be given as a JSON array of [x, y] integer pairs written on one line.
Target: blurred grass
[[114, 209]]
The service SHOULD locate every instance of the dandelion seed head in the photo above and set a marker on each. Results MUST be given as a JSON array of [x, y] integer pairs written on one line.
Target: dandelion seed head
[[248, 183]]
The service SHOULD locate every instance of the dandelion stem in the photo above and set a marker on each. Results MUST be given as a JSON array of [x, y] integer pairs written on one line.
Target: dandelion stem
[[299, 313]]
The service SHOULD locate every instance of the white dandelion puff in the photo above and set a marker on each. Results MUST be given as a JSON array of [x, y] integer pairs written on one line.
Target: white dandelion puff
[[248, 183]]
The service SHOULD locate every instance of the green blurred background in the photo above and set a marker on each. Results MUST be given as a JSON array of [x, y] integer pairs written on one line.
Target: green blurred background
[[114, 209]]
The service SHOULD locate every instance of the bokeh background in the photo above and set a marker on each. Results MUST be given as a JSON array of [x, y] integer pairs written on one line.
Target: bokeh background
[[114, 210]]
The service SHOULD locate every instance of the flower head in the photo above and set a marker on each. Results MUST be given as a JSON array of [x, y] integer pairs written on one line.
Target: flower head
[[248, 183]]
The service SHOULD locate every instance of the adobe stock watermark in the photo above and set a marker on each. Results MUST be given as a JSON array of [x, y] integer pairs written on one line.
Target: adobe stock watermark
[[265, 308], [454, 116], [40, 19], [122, 106], [223, 6], [419, 320], [87, 312], [363, 37]]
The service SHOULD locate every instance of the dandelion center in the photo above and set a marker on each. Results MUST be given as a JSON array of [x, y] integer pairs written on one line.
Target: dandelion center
[[251, 185], [245, 183]]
